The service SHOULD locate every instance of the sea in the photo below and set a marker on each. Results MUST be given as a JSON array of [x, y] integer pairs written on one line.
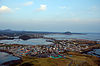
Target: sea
[[88, 36], [38, 41], [41, 41], [5, 57]]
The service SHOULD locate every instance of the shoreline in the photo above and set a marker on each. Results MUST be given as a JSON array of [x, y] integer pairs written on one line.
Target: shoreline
[[17, 61], [91, 48], [9, 53], [12, 62]]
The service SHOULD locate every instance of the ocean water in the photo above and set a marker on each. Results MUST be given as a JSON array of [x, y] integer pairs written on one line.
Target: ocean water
[[41, 41], [89, 36], [38, 41], [5, 57], [96, 51]]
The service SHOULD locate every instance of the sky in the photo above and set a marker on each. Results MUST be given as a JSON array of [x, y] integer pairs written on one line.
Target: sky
[[50, 15]]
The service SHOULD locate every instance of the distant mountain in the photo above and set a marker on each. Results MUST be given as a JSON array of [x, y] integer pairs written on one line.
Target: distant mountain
[[9, 31], [6, 30]]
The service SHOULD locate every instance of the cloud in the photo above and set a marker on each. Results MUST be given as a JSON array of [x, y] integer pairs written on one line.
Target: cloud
[[63, 7], [17, 8], [42, 7], [28, 3], [94, 8], [5, 9]]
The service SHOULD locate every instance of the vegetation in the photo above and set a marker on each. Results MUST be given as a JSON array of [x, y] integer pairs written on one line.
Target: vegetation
[[77, 59], [24, 37]]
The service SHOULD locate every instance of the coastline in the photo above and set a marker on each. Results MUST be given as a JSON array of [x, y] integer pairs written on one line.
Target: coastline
[[91, 48], [12, 62]]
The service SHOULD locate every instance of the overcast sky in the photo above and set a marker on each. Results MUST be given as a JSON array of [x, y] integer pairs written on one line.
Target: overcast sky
[[50, 15]]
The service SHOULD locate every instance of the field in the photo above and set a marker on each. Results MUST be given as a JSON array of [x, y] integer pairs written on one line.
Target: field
[[76, 59]]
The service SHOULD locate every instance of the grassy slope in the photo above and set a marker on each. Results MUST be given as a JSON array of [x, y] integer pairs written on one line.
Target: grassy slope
[[76, 59]]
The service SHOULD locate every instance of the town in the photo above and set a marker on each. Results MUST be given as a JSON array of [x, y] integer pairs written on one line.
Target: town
[[59, 47]]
